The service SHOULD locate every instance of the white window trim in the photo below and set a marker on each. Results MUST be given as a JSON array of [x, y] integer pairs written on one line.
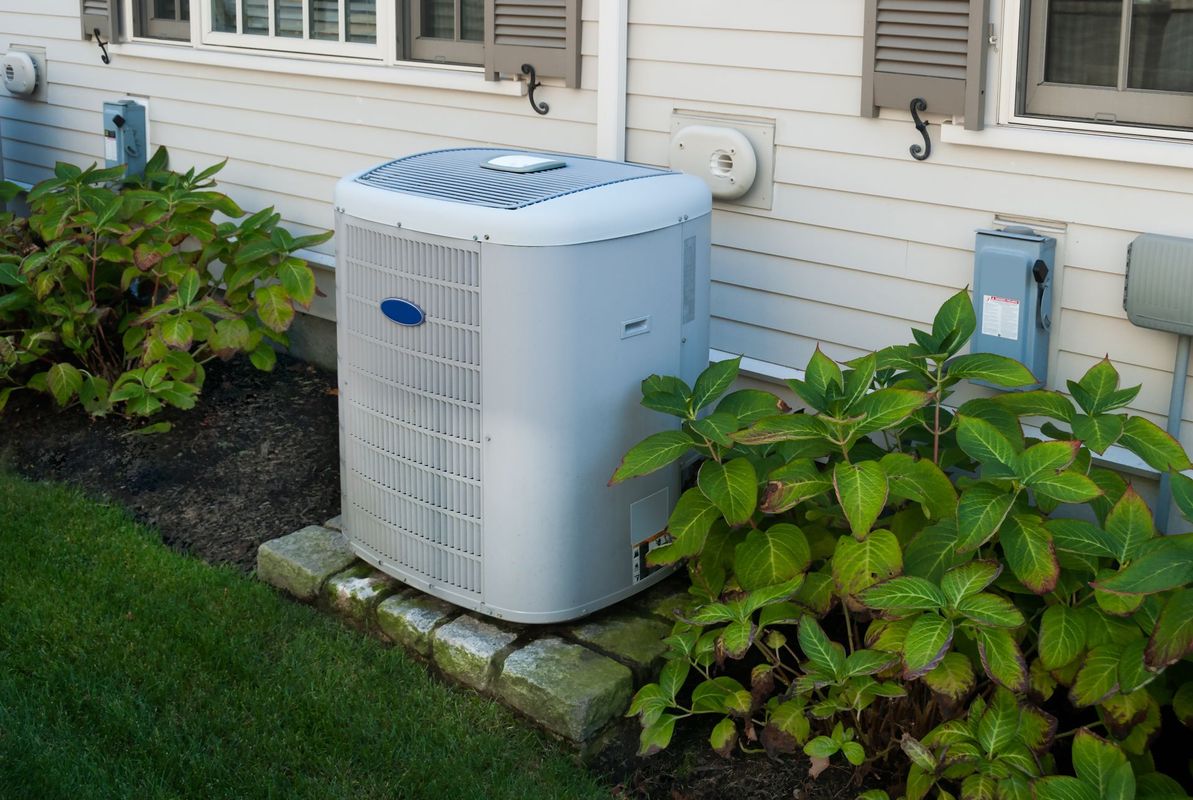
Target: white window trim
[[386, 69], [1010, 131], [384, 49]]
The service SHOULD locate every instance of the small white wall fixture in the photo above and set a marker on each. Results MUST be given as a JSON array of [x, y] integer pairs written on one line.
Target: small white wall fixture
[[733, 155]]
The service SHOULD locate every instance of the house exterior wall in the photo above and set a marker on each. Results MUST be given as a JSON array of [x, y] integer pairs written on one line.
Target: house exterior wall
[[863, 241], [860, 243]]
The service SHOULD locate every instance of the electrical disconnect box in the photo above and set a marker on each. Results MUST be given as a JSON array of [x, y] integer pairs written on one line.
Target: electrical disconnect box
[[125, 140], [1012, 296], [1158, 292]]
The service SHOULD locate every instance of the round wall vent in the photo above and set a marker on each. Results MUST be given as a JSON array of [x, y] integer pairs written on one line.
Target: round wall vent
[[20, 73], [723, 157]]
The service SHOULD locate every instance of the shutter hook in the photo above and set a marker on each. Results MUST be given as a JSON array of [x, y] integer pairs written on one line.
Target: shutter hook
[[920, 152], [103, 47], [533, 83]]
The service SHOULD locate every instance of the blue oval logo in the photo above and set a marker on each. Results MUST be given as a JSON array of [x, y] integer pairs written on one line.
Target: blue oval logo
[[403, 312]]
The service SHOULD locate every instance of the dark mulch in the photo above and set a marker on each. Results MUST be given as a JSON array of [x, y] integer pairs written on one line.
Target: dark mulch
[[257, 459]]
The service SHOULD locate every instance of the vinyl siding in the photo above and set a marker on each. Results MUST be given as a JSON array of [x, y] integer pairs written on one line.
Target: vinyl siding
[[287, 136], [862, 241]]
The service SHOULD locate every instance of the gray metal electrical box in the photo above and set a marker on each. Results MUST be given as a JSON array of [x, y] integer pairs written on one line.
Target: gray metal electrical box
[[125, 140], [1158, 292], [1012, 296]]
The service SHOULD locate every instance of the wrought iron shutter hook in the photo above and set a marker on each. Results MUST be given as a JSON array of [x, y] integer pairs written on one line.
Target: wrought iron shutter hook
[[920, 152], [533, 83], [103, 47]]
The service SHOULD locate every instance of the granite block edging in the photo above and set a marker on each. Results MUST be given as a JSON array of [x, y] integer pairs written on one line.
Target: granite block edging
[[573, 680]]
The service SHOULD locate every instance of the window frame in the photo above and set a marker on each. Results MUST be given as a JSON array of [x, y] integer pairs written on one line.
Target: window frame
[[149, 26], [428, 49], [1035, 99], [305, 46]]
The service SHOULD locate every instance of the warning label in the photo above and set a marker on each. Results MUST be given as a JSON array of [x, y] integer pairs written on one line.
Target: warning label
[[639, 552], [1000, 317]]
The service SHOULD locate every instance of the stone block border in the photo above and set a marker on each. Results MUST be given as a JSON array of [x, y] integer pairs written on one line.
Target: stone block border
[[573, 680]]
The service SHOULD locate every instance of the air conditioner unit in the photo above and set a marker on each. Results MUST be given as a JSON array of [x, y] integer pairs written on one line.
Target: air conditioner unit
[[496, 313]]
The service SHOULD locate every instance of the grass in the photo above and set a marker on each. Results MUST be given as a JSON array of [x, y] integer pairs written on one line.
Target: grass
[[127, 670]]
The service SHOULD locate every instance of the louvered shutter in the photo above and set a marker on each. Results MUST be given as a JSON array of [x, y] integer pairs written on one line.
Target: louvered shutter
[[102, 15], [545, 33], [934, 49]]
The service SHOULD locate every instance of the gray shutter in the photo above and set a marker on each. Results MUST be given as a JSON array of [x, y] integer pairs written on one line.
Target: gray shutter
[[934, 49], [101, 14], [545, 33]]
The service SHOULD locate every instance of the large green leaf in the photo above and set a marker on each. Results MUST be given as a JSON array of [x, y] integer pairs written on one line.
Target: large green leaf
[[858, 381], [714, 382], [1002, 659], [652, 453], [991, 368], [1062, 636], [859, 565], [1095, 760], [932, 551], [903, 595], [955, 320], [64, 381], [1172, 638], [793, 483], [968, 579], [657, 736], [1081, 537], [983, 442], [298, 280], [1098, 677], [771, 557], [1044, 459], [922, 481], [690, 522], [177, 332], [886, 408], [1038, 403], [998, 727], [1167, 564], [980, 513], [1063, 787], [927, 642], [1182, 494], [823, 378], [1099, 431], [716, 427], [953, 677], [783, 428], [862, 492], [823, 653], [990, 610], [750, 405], [274, 307], [1066, 487], [1129, 525], [732, 486], [1153, 445], [1027, 546]]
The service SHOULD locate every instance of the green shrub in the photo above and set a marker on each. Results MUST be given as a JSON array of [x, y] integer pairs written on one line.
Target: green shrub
[[114, 294], [884, 580]]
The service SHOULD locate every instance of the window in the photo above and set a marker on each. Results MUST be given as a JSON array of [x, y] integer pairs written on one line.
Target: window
[[451, 31], [164, 19], [323, 27], [1109, 61]]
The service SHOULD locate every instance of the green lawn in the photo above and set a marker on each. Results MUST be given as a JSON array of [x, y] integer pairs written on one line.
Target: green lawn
[[127, 670]]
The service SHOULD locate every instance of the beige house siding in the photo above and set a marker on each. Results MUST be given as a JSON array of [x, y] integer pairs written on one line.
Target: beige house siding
[[862, 241]]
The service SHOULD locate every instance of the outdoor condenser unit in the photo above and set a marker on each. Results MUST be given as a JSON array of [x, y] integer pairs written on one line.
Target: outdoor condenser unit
[[496, 313]]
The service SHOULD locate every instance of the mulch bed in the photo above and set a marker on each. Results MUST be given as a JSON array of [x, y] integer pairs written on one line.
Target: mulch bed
[[259, 458], [256, 459]]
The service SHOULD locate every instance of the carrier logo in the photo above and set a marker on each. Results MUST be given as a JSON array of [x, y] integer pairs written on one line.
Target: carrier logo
[[403, 312]]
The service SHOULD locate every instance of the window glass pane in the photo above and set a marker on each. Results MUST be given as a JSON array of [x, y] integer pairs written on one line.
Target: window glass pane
[[223, 15], [1083, 42], [439, 19], [472, 20], [1161, 46], [325, 19], [256, 17], [163, 9], [186, 10], [287, 19], [362, 21]]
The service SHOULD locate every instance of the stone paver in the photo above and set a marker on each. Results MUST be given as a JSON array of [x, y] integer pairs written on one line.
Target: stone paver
[[336, 523], [665, 599], [409, 621], [355, 590], [300, 562], [468, 649], [635, 641], [567, 688]]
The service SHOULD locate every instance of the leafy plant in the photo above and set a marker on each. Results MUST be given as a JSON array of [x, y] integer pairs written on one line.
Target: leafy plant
[[881, 577], [114, 294]]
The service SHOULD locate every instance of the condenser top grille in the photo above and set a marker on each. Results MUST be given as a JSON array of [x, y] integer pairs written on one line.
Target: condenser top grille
[[458, 176]]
